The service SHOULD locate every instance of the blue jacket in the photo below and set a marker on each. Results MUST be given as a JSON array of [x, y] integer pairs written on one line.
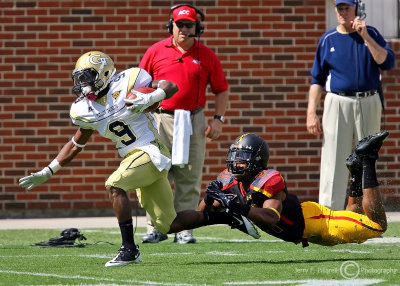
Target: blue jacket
[[343, 62]]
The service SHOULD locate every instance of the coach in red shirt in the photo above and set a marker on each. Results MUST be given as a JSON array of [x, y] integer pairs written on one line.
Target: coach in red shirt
[[182, 59]]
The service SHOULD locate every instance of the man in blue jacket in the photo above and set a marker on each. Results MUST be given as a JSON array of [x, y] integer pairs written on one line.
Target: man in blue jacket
[[347, 66]]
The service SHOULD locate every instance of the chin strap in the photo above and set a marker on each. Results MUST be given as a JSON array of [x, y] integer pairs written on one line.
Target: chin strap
[[93, 95], [89, 93]]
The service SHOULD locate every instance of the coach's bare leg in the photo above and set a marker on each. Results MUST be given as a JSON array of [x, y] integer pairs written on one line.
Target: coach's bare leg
[[373, 206]]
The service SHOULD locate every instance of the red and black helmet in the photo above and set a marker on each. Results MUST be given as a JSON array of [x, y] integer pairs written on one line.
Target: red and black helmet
[[250, 149]]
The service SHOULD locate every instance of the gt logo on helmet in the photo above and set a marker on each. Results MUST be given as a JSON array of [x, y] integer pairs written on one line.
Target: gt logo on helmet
[[97, 60], [93, 72]]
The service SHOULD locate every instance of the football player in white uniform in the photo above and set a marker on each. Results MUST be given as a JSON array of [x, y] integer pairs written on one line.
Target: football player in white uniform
[[101, 106]]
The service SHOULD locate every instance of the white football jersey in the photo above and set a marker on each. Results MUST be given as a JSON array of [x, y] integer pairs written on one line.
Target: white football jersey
[[110, 117]]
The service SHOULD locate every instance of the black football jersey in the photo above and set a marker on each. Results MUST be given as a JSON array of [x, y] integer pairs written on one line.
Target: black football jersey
[[266, 184]]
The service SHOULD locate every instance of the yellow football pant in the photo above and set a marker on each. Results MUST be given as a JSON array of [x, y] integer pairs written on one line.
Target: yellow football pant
[[137, 172], [327, 227]]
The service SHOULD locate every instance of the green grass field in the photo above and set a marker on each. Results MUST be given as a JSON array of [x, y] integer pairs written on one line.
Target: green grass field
[[220, 257]]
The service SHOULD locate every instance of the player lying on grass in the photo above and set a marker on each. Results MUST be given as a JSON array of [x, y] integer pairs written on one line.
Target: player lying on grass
[[145, 160], [249, 188]]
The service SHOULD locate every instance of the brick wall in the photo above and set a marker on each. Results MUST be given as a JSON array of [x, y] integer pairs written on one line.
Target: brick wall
[[266, 48]]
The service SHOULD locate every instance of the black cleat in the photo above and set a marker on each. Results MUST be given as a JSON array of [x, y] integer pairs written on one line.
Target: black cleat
[[243, 224], [370, 145], [125, 256], [354, 164]]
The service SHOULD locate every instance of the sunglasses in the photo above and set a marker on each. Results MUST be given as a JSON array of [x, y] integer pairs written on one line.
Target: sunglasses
[[187, 25]]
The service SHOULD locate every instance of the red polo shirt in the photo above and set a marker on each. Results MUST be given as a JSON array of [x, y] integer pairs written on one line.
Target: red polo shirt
[[164, 61]]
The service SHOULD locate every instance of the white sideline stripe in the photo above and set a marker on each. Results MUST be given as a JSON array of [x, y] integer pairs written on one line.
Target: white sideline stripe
[[311, 282], [351, 251], [389, 239], [378, 240], [106, 256], [138, 282], [221, 239], [170, 253], [222, 253], [102, 256], [95, 222]]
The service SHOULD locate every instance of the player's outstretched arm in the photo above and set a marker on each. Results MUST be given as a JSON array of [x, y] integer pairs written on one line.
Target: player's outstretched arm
[[169, 87], [66, 154], [269, 215]]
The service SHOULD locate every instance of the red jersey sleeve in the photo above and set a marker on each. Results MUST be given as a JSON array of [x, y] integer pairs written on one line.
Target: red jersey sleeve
[[269, 183], [218, 81]]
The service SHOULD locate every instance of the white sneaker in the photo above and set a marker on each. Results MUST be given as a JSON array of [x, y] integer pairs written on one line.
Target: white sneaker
[[184, 236], [125, 256], [154, 237]]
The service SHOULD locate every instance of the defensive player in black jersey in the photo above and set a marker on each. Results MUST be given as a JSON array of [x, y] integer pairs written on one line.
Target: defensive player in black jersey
[[249, 188]]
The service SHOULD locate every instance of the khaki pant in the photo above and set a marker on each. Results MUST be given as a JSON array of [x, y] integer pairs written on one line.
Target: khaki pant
[[187, 180], [345, 121], [137, 172]]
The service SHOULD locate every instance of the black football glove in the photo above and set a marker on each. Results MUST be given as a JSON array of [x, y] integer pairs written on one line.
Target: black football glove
[[214, 191]]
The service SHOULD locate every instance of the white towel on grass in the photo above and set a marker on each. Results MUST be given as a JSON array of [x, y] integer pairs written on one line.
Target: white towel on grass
[[181, 139]]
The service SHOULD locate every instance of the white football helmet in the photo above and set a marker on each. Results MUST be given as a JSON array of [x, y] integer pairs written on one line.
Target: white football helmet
[[93, 72]]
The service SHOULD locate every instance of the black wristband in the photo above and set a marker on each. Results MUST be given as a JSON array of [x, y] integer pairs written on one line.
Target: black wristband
[[51, 170]]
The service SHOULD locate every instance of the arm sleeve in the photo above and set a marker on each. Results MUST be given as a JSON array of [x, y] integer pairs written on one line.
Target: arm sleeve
[[79, 120], [270, 184], [388, 64], [218, 81], [274, 185], [137, 78], [146, 61], [319, 71]]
